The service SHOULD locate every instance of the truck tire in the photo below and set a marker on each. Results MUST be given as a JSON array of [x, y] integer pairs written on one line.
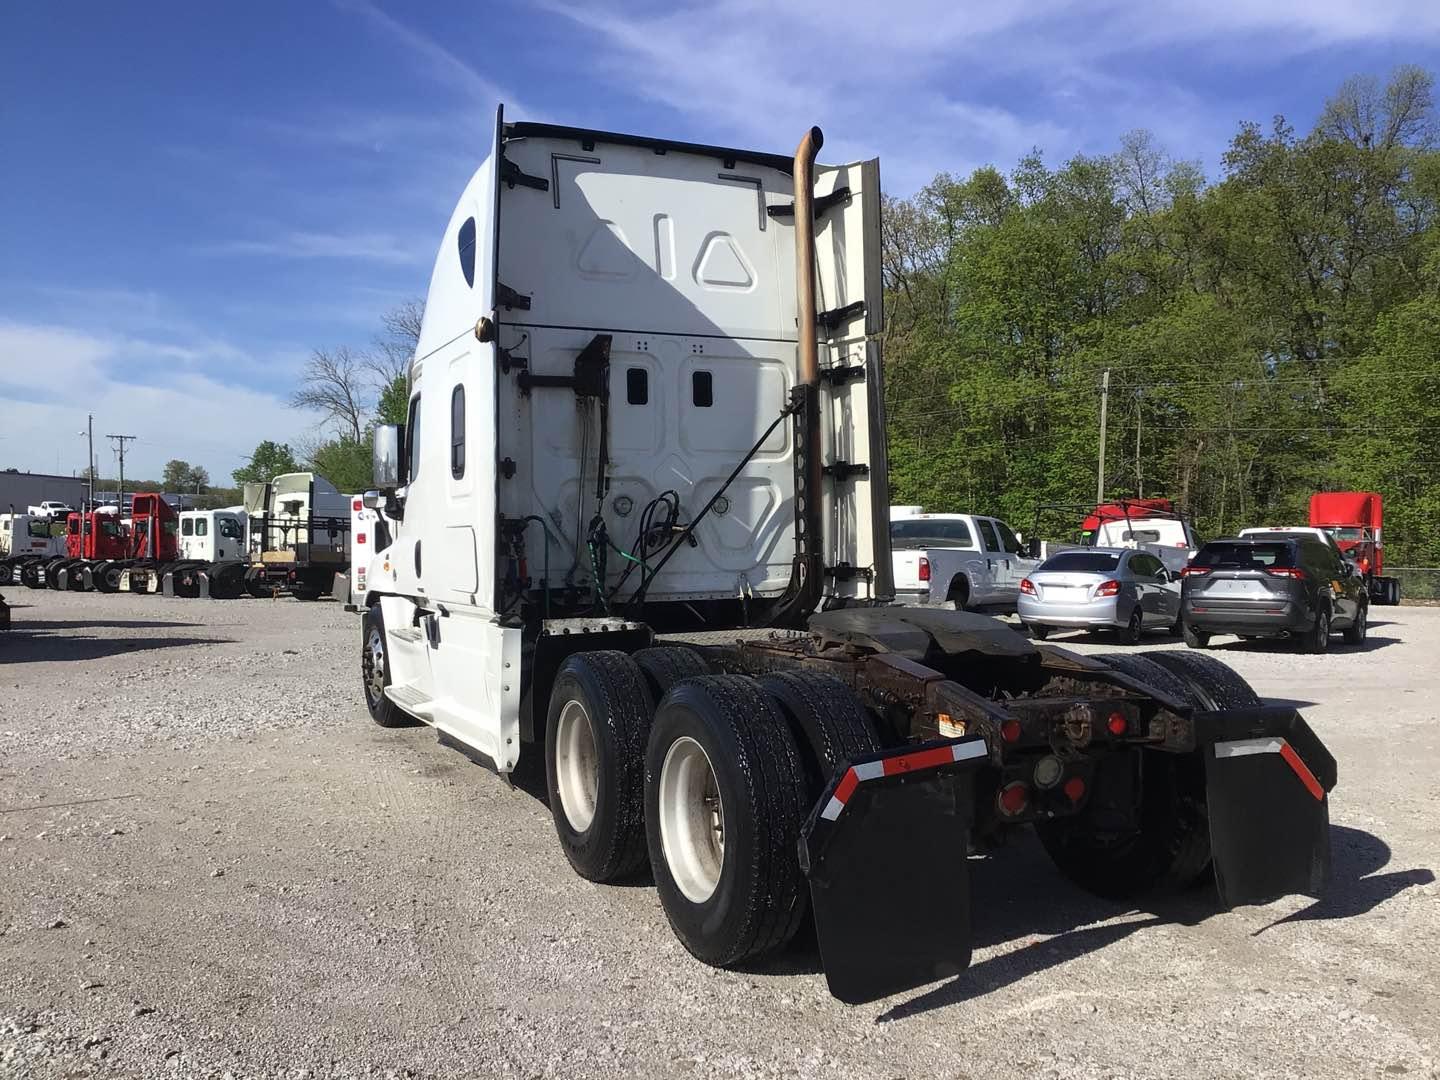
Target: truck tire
[[106, 577], [304, 592], [1152, 674], [724, 804], [1213, 684], [30, 575], [1357, 631], [1194, 639], [375, 673], [1316, 640], [1168, 850], [595, 736], [664, 666], [830, 726], [7, 573], [959, 594]]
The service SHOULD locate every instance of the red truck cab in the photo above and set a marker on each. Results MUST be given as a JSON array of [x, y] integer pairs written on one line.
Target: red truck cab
[[1355, 521]]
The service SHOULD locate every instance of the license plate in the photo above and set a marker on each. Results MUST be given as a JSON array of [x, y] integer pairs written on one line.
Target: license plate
[[1065, 594]]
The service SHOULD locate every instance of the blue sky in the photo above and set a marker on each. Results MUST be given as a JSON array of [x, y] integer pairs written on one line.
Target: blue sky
[[193, 195]]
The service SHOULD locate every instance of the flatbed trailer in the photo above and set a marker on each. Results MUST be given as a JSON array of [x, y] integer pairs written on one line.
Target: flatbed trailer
[[299, 536], [641, 544]]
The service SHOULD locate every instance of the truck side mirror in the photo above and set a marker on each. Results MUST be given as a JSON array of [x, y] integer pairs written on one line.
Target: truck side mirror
[[1032, 547], [372, 500], [385, 458]]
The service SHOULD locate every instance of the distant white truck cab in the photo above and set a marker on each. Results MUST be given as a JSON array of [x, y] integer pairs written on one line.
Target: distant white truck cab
[[50, 509], [965, 561]]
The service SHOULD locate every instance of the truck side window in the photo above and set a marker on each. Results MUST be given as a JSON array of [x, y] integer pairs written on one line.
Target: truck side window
[[1007, 539], [467, 251], [187, 527], [457, 431], [988, 532], [702, 389], [229, 528], [637, 386], [412, 433]]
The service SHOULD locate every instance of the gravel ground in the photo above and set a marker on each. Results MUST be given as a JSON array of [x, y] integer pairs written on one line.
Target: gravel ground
[[212, 863]]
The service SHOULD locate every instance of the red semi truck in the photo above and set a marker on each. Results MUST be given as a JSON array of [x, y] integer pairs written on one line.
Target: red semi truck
[[1354, 519]]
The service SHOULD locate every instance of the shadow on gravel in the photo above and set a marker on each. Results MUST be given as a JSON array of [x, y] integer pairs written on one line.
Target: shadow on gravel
[[1018, 894], [1289, 703], [23, 646], [111, 624], [1285, 645]]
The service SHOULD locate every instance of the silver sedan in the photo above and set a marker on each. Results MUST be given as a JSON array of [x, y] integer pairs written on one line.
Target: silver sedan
[[1101, 588]]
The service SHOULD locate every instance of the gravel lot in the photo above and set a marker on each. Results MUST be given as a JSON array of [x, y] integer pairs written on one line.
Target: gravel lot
[[212, 863]]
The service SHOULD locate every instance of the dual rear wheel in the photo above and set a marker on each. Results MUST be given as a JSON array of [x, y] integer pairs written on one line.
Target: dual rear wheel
[[708, 778]]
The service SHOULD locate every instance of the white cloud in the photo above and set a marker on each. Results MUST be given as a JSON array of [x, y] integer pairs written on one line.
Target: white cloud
[[924, 84], [295, 244], [53, 376]]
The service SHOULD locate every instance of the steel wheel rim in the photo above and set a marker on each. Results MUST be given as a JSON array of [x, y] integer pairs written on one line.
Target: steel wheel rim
[[375, 664], [692, 820], [577, 765], [1322, 631]]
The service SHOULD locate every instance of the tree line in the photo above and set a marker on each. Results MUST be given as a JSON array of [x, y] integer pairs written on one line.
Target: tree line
[[1269, 334]]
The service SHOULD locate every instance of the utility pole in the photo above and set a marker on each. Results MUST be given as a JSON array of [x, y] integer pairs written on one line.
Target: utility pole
[[90, 450], [1104, 413], [120, 441]]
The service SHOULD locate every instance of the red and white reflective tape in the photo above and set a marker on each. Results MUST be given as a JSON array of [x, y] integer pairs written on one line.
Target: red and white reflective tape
[[874, 770], [1248, 747]]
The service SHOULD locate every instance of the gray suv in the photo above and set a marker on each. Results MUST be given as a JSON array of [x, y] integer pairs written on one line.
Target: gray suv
[[1272, 587]]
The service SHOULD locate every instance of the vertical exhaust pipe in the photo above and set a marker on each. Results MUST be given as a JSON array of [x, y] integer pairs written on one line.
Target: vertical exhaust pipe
[[809, 523], [808, 362]]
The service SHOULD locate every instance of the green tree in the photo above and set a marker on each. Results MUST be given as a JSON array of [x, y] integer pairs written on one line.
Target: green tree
[[176, 475], [345, 463], [270, 459]]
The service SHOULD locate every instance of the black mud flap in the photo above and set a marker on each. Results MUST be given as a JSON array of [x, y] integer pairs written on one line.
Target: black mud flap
[[1267, 779], [885, 850]]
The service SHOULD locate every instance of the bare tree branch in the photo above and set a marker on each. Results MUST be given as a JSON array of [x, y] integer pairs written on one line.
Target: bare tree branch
[[389, 357], [332, 385]]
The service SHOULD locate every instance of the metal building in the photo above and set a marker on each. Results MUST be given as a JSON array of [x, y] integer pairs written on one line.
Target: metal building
[[21, 489]]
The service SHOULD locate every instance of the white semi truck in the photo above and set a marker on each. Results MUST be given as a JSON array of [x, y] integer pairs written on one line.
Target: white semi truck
[[641, 542], [299, 535], [26, 539]]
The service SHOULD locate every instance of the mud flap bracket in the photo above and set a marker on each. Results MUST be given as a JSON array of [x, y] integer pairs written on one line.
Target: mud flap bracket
[[1267, 779], [885, 850]]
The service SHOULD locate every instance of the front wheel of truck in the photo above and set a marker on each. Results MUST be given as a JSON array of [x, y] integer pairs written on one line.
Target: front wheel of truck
[[1160, 842], [724, 804], [595, 735], [375, 673]]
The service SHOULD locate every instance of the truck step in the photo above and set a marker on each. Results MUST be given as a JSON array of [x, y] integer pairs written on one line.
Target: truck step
[[412, 699], [406, 633]]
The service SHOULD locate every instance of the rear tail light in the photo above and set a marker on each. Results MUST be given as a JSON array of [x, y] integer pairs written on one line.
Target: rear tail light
[[1108, 588], [924, 568], [1027, 586], [1286, 571], [1194, 571], [1010, 730], [1013, 799], [1117, 724], [359, 538], [1074, 789], [357, 505]]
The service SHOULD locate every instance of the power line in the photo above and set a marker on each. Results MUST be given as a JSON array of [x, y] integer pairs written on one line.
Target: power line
[[120, 441]]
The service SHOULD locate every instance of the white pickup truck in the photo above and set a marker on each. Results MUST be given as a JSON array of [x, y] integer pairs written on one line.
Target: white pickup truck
[[50, 510], [965, 561]]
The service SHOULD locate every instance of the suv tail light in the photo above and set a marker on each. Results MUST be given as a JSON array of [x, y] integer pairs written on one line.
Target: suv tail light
[[924, 568], [1194, 571], [1108, 588], [1286, 571], [1027, 586]]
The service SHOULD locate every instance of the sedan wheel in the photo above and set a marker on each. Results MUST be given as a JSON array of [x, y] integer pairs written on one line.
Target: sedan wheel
[[1134, 628]]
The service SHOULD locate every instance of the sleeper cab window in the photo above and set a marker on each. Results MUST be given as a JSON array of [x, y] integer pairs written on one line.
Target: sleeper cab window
[[457, 431], [702, 390], [467, 251], [637, 386], [187, 527]]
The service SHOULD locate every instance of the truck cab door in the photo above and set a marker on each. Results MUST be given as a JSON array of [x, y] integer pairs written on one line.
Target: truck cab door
[[996, 566]]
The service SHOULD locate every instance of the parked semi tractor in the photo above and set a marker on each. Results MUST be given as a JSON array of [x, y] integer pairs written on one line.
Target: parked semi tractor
[[299, 535], [90, 536], [25, 539], [642, 542], [1356, 520]]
